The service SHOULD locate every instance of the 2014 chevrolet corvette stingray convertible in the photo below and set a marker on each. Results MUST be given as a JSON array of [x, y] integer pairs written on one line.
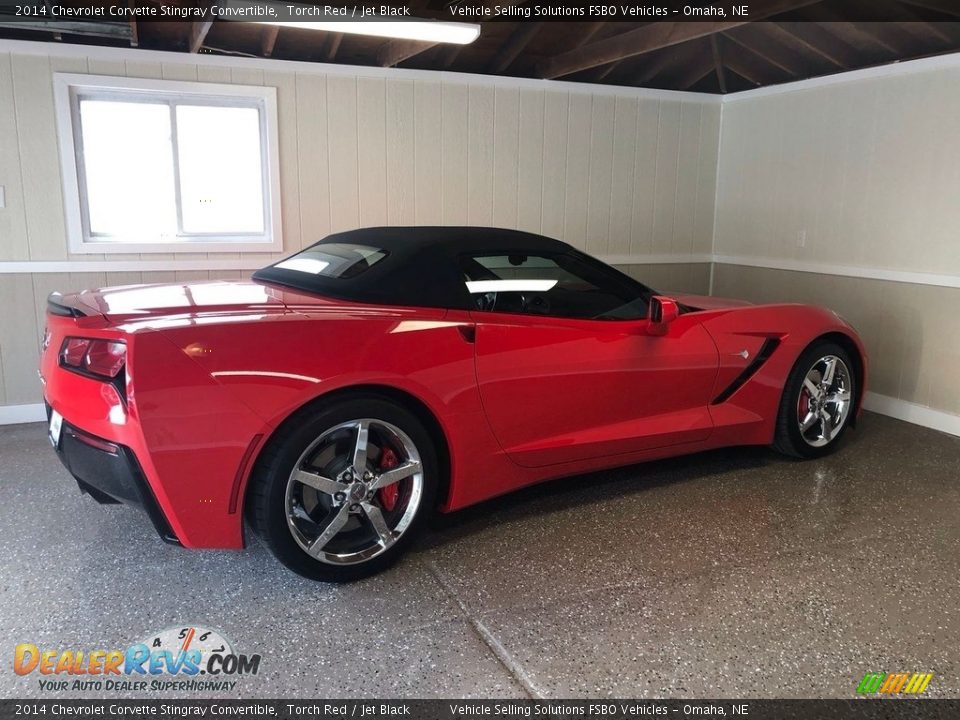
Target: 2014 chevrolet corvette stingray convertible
[[351, 389]]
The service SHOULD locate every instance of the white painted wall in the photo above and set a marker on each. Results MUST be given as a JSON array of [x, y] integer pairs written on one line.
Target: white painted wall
[[866, 167], [845, 192]]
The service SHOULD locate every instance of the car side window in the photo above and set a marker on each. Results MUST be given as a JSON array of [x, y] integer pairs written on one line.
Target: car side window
[[563, 286]]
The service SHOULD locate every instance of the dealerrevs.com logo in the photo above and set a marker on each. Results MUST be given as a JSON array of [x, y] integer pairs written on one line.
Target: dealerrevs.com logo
[[175, 659]]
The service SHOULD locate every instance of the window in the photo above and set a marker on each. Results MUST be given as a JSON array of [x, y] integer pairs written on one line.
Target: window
[[333, 260], [559, 286], [155, 165]]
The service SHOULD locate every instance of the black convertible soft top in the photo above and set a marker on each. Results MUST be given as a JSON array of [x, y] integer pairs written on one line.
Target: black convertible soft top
[[415, 266]]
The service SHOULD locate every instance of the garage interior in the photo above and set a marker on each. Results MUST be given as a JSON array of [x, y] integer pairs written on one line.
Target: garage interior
[[798, 159]]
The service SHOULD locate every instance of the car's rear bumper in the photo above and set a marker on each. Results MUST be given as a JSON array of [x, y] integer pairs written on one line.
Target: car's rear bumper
[[109, 473]]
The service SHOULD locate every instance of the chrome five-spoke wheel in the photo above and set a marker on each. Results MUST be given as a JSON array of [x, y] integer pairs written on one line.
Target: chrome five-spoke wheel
[[824, 401], [354, 491], [344, 485], [819, 400]]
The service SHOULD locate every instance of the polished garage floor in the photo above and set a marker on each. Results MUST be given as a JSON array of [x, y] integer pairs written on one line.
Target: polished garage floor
[[726, 574]]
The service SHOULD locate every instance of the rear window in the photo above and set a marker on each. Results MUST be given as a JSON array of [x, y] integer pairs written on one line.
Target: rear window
[[334, 260]]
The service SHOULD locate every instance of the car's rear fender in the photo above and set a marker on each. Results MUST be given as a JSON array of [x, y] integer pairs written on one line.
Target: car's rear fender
[[278, 365]]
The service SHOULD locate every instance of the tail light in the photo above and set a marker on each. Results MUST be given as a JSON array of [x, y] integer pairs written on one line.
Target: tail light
[[89, 356]]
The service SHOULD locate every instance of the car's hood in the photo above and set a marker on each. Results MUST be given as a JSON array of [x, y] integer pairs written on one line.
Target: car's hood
[[707, 302]]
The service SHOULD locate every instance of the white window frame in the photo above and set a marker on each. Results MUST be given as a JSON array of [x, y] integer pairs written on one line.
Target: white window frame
[[69, 87]]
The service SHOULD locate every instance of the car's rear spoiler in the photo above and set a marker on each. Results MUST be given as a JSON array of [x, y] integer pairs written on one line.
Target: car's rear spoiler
[[57, 306]]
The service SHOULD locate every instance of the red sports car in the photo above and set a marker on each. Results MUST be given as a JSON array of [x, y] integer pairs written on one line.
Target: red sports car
[[349, 390]]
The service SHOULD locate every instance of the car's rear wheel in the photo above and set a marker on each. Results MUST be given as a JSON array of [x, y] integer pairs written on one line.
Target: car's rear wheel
[[817, 402], [341, 491]]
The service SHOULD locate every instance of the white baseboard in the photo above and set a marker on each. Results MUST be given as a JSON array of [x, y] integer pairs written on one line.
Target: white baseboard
[[16, 414], [913, 413]]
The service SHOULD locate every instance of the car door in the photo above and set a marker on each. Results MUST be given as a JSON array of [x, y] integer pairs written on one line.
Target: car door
[[559, 389]]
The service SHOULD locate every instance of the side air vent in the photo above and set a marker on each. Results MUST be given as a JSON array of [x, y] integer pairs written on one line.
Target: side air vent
[[766, 350]]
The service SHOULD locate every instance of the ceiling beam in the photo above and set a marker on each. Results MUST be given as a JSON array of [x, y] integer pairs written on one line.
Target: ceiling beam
[[781, 36], [747, 70], [663, 62], [909, 30], [198, 33], [640, 41], [718, 63], [760, 63], [911, 37], [858, 37], [907, 23], [696, 71], [396, 51], [648, 38], [926, 31], [605, 70], [269, 39], [823, 43], [589, 32], [515, 44], [448, 56], [695, 76], [775, 54], [333, 45], [654, 67], [88, 28], [947, 7]]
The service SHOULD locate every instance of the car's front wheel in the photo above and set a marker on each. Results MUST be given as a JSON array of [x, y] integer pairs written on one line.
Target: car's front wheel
[[817, 402], [340, 491]]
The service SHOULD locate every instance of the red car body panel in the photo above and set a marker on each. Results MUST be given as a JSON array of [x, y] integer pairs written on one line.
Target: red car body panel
[[213, 368]]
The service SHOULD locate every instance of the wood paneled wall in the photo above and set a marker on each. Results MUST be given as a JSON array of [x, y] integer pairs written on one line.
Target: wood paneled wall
[[623, 174]]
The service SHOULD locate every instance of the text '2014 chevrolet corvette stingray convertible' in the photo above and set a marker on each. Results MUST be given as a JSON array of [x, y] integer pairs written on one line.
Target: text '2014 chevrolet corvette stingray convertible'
[[351, 389]]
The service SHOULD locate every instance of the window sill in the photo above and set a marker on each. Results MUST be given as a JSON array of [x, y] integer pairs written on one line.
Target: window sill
[[109, 248]]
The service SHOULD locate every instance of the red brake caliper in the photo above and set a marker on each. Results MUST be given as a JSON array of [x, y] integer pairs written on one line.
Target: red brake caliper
[[389, 494], [804, 403]]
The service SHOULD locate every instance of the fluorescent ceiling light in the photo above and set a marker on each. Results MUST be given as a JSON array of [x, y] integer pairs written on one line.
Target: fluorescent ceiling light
[[435, 31]]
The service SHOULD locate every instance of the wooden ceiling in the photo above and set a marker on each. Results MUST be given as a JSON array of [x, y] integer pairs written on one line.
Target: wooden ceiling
[[795, 39]]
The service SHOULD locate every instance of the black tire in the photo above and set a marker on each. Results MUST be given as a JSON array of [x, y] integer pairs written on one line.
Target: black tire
[[788, 438], [268, 484]]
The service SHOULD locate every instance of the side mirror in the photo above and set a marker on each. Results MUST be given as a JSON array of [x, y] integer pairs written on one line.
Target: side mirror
[[663, 311]]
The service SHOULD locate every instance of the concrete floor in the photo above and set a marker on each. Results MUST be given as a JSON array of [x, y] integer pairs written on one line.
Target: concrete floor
[[725, 574]]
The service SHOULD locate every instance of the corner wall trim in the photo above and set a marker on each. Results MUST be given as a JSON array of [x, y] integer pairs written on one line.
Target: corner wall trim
[[17, 414], [912, 413], [43, 267], [39, 267], [870, 273]]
